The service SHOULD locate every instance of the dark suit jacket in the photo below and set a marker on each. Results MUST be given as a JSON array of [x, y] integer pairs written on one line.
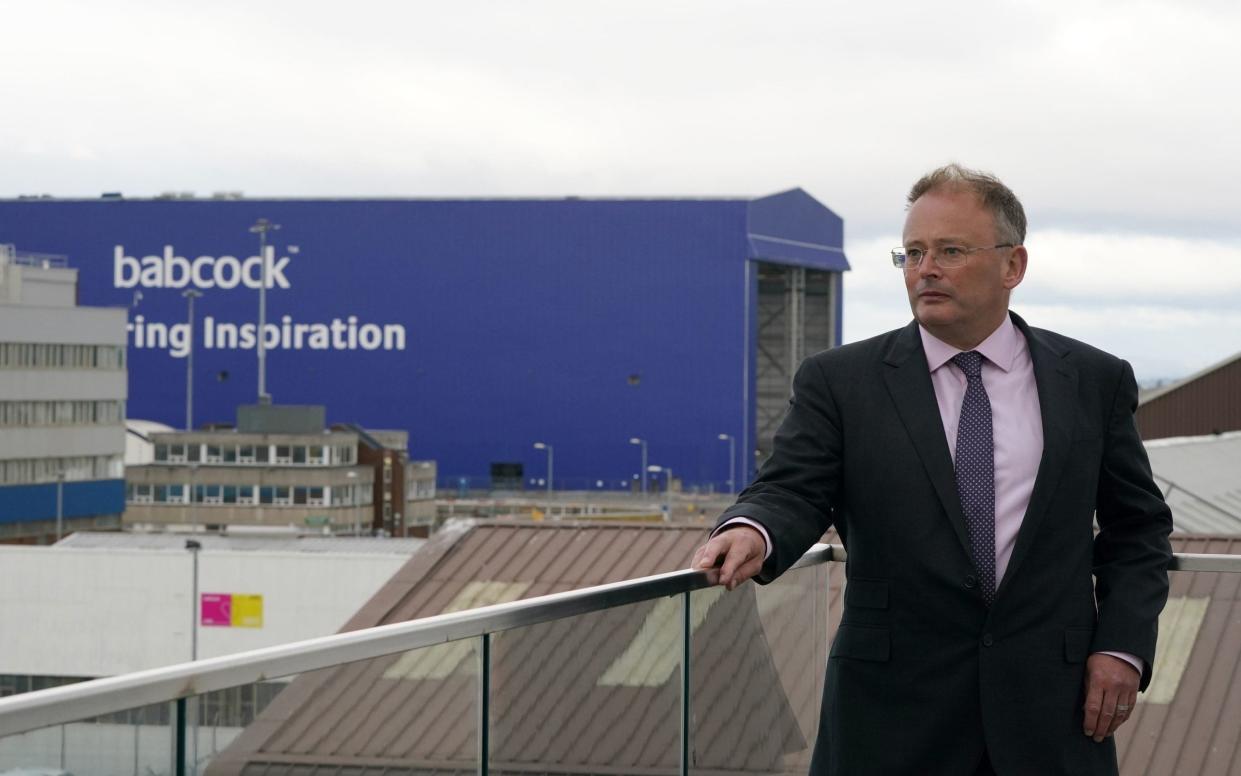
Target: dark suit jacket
[[922, 674]]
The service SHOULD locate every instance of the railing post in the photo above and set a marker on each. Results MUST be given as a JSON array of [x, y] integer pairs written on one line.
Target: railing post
[[179, 746], [484, 703], [685, 681]]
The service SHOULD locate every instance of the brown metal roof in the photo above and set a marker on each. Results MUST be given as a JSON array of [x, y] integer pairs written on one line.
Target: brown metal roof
[[1208, 402], [596, 694], [1189, 720]]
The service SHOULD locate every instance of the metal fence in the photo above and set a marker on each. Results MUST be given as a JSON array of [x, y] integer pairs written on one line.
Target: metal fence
[[174, 684]]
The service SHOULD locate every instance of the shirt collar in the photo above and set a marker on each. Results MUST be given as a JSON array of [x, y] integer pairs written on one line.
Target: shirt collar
[[1000, 347]]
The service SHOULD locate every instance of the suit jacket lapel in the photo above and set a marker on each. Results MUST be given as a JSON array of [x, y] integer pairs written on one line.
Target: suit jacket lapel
[[909, 383], [1056, 380]]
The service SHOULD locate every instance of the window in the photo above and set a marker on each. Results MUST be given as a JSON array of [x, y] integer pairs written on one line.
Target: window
[[176, 453], [315, 496], [245, 494], [283, 454], [161, 494], [230, 494], [161, 453], [230, 453], [299, 454], [299, 495], [194, 452], [261, 453], [212, 494], [267, 495], [315, 454], [245, 454], [176, 494], [142, 494], [282, 495], [213, 453]]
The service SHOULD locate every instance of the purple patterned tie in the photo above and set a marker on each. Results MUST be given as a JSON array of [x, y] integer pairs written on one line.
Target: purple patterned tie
[[975, 464]]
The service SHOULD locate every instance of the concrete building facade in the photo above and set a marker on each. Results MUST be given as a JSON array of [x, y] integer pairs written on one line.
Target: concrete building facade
[[281, 466], [63, 387]]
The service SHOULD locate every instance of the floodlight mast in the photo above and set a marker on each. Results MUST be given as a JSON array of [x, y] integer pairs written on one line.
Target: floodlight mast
[[261, 228]]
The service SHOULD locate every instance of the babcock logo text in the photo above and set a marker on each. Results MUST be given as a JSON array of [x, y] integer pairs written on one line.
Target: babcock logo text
[[173, 271]]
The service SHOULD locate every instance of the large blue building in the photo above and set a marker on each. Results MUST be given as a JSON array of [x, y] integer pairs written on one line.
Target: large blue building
[[480, 326]]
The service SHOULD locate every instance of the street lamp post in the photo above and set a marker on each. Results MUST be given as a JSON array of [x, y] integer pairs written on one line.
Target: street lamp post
[[550, 472], [642, 442], [732, 461], [261, 228], [193, 545], [190, 295]]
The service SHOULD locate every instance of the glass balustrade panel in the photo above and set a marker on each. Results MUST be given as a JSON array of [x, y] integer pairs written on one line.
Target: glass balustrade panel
[[596, 693], [414, 709], [756, 674]]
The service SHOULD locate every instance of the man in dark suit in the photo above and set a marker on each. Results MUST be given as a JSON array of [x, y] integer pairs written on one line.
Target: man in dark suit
[[964, 460]]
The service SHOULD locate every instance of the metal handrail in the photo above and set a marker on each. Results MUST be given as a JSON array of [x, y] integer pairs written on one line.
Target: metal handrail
[[69, 703], [10, 255], [1194, 561]]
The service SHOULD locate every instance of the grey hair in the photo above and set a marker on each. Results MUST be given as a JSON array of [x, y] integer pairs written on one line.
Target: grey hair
[[1010, 216]]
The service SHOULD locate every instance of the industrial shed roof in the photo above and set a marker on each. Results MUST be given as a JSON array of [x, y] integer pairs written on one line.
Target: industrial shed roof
[[416, 714], [599, 694], [1201, 480]]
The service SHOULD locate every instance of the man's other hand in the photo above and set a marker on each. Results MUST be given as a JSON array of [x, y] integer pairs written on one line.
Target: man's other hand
[[1111, 692], [738, 552]]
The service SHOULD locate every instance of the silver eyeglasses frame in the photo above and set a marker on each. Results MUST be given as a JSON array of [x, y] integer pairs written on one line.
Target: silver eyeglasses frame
[[945, 256]]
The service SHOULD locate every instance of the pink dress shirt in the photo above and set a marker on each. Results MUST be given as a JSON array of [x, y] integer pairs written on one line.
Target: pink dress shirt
[[1017, 423]]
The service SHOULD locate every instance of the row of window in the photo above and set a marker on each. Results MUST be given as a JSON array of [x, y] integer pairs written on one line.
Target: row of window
[[416, 490], [30, 471], [20, 414], [309, 455], [42, 355], [268, 495]]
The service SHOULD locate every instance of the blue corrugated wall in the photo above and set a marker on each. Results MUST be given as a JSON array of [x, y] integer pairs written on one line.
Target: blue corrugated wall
[[580, 323], [23, 503]]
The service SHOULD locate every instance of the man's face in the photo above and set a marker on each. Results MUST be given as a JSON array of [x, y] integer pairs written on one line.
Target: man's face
[[959, 305]]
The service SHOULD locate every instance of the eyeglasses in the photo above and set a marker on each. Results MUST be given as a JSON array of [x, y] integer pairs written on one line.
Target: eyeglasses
[[945, 256]]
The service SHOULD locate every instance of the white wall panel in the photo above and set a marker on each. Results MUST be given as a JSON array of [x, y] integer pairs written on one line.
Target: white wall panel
[[87, 612]]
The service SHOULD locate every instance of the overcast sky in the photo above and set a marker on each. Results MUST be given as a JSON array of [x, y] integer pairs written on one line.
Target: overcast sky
[[1117, 123]]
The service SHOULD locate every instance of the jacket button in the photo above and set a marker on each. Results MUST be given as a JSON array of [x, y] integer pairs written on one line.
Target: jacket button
[[970, 582], [987, 640]]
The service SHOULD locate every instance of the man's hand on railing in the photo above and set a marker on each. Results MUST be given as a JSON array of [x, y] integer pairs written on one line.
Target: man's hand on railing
[[732, 556]]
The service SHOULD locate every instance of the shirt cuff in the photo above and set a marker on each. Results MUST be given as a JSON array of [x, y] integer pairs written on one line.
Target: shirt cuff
[[1132, 660], [756, 526]]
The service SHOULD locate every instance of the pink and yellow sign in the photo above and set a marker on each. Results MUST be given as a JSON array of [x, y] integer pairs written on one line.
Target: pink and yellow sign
[[231, 610]]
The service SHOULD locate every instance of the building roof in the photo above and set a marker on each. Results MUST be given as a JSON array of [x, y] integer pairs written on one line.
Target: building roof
[[1208, 402], [261, 542], [1201, 480], [1189, 719], [1149, 396], [597, 694]]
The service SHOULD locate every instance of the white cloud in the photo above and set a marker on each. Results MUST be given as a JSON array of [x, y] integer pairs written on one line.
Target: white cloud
[[1168, 305], [1111, 120], [1153, 268]]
